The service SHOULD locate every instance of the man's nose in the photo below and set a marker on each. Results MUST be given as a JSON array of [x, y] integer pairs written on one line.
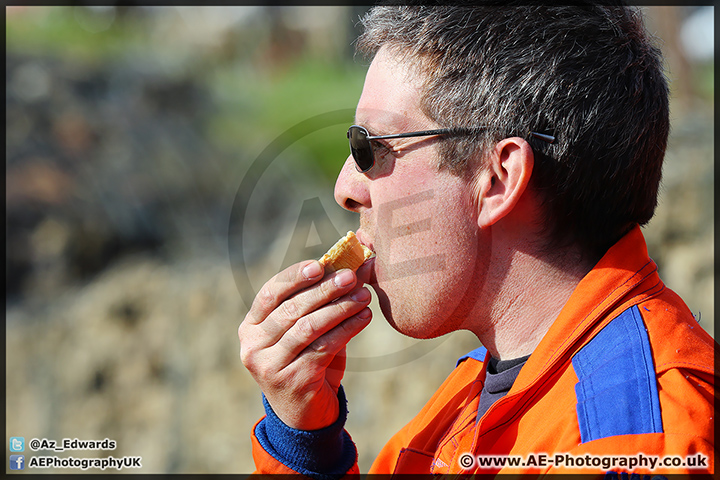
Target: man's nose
[[351, 188]]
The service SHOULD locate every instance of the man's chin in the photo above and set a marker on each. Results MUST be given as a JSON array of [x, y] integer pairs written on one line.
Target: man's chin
[[406, 324]]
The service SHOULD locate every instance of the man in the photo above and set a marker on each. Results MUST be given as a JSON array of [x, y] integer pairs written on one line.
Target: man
[[553, 125]]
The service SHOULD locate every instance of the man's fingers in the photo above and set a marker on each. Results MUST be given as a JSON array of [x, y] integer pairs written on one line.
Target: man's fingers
[[309, 328], [305, 303], [283, 285], [365, 271], [322, 354], [332, 342]]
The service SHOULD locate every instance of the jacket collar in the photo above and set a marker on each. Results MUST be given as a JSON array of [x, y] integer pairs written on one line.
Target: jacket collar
[[623, 277]]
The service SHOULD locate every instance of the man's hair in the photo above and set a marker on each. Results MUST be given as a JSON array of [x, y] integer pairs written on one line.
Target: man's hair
[[589, 75]]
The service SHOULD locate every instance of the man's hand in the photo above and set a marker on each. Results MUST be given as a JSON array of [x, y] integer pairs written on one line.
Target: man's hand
[[294, 336]]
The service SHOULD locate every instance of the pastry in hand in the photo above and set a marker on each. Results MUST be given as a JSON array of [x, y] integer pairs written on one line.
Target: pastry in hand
[[347, 252]]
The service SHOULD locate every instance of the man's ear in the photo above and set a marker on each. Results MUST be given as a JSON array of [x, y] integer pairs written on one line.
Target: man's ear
[[503, 180]]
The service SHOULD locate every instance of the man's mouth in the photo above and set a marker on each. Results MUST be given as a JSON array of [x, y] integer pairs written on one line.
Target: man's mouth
[[370, 262], [364, 240]]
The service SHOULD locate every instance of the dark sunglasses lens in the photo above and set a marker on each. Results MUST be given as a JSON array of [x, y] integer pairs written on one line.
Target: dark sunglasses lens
[[360, 148]]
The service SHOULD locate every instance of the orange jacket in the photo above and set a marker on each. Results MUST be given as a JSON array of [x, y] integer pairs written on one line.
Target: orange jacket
[[622, 381]]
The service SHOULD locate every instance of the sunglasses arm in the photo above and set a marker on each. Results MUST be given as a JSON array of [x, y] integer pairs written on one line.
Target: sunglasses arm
[[423, 133], [444, 131]]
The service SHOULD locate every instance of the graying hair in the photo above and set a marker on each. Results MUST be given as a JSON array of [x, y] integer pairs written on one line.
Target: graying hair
[[588, 75]]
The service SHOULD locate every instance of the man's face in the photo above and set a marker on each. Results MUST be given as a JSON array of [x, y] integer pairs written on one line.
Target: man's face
[[421, 222]]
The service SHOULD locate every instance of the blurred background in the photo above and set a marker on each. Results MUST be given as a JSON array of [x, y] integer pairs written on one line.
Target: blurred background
[[163, 162]]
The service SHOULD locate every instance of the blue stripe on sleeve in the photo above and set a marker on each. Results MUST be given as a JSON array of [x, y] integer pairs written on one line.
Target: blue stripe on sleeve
[[617, 390]]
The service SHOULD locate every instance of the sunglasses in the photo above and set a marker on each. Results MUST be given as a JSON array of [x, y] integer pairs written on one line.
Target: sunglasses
[[362, 150]]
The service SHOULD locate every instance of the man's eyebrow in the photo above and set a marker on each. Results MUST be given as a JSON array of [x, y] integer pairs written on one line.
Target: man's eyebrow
[[373, 129]]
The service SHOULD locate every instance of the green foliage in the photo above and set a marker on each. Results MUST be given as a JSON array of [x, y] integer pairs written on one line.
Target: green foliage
[[74, 33], [258, 105], [254, 99], [705, 81]]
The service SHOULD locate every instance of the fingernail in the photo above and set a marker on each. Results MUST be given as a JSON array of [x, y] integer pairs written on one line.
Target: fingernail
[[312, 271], [344, 278], [361, 295], [364, 314]]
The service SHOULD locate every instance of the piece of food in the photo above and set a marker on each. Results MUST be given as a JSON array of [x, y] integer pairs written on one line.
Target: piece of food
[[347, 252]]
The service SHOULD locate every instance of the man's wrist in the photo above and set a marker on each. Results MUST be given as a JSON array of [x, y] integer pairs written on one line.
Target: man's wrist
[[326, 453]]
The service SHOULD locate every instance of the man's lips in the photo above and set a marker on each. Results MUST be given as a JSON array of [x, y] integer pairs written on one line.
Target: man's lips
[[366, 272], [364, 240]]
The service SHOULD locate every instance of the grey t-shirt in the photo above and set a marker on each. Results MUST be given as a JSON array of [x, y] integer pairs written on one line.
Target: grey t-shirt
[[501, 375]]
